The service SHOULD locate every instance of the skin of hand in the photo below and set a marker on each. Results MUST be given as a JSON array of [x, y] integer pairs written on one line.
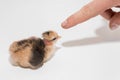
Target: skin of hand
[[92, 9]]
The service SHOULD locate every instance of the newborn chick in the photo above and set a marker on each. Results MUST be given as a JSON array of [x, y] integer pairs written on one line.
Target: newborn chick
[[33, 52]]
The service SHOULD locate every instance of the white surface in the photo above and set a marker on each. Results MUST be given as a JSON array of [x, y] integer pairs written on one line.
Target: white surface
[[89, 51]]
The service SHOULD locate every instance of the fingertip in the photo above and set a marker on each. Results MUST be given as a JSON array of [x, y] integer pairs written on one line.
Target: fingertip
[[70, 22], [64, 24]]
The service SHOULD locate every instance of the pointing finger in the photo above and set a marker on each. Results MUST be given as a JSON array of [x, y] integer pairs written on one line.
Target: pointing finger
[[90, 10]]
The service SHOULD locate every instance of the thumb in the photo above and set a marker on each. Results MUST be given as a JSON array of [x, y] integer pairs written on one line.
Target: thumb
[[115, 21]]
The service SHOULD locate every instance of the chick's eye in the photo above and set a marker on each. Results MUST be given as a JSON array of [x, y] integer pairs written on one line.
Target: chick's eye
[[54, 38]]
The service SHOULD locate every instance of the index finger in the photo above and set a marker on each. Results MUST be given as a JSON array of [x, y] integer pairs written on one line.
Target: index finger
[[88, 11]]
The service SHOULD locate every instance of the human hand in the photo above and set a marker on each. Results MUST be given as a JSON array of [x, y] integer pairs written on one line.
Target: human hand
[[94, 8]]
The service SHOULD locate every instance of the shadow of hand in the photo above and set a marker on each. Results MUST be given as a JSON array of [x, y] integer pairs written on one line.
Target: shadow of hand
[[103, 35]]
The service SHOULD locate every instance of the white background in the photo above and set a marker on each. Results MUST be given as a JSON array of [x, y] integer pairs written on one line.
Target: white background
[[89, 51]]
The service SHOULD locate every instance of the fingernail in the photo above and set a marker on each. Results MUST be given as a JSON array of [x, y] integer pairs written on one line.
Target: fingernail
[[114, 26], [64, 24]]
